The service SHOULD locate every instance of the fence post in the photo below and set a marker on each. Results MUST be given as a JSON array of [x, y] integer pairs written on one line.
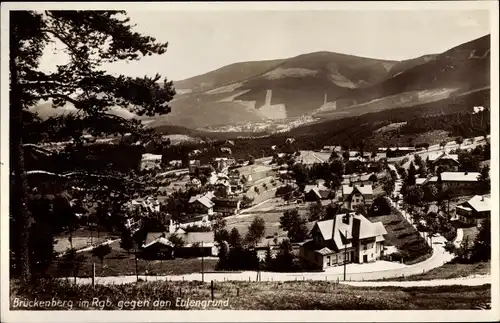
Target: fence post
[[93, 274], [212, 289]]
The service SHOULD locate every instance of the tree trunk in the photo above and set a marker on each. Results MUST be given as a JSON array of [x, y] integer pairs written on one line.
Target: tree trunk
[[19, 208]]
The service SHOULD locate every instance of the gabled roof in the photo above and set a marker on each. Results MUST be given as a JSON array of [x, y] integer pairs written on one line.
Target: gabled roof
[[444, 156], [362, 189], [156, 237], [189, 238], [206, 200], [478, 203], [358, 227], [420, 181], [366, 229], [314, 190], [325, 251]]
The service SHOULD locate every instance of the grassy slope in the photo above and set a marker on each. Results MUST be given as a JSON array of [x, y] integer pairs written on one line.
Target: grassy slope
[[266, 296], [404, 237]]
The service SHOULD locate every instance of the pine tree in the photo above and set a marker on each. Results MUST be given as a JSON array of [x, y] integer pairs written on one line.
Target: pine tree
[[481, 251], [412, 172], [91, 39], [256, 231], [235, 240], [126, 241]]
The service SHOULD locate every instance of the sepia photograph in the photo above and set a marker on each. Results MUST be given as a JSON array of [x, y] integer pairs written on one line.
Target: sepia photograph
[[315, 160]]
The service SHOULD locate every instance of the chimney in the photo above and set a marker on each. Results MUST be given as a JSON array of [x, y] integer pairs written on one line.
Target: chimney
[[482, 198], [466, 172]]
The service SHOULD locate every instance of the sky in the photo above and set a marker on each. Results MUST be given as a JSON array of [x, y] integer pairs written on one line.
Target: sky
[[201, 41]]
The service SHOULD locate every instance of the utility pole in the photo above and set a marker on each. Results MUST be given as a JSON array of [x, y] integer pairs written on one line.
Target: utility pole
[[202, 265], [136, 270], [345, 255]]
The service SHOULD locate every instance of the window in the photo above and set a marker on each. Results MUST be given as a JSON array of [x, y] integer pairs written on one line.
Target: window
[[328, 261], [365, 247]]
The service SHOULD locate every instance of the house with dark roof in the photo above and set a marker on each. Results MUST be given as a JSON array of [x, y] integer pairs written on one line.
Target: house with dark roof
[[391, 152], [474, 211], [227, 206], [348, 237], [195, 244], [353, 195], [221, 163], [201, 204], [459, 183], [445, 161], [316, 192]]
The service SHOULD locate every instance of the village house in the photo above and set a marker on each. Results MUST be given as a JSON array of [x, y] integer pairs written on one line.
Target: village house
[[444, 161], [353, 195], [221, 163], [193, 164], [227, 206], [150, 161], [347, 238], [316, 192], [396, 151], [175, 163], [148, 205], [201, 204], [474, 211], [198, 220], [223, 187], [331, 149], [459, 183], [195, 244], [358, 179]]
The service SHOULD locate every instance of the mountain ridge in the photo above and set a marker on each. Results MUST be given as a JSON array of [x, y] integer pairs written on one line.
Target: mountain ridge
[[321, 84]]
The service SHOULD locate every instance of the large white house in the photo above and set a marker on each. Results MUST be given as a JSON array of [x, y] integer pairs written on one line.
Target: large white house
[[474, 211], [353, 195], [347, 238]]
